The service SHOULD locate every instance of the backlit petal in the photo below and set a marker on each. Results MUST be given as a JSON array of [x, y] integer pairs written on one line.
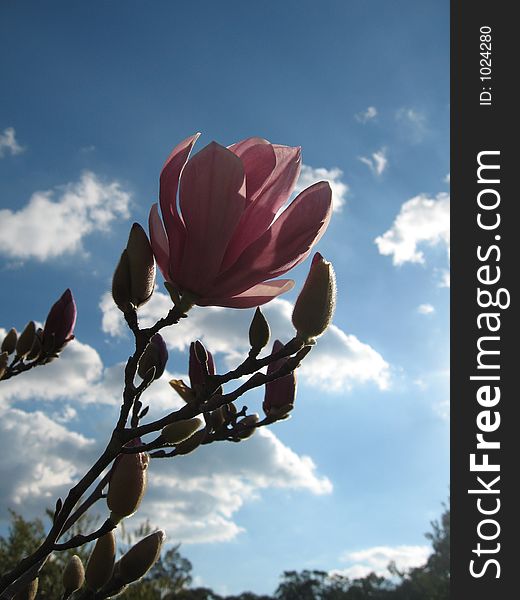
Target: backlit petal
[[284, 245], [212, 202]]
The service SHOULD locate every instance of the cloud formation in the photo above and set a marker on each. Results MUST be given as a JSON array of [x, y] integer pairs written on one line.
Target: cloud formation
[[414, 123], [310, 175], [377, 559], [9, 143], [194, 497], [70, 378], [40, 458], [366, 115], [425, 309], [422, 221], [339, 361], [55, 222], [377, 163]]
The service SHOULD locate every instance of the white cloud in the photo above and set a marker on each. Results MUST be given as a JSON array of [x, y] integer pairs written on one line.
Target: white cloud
[[55, 222], [366, 115], [71, 378], [337, 362], [425, 309], [377, 163], [377, 559], [415, 123], [8, 143], [65, 415], [447, 178], [442, 409], [310, 175], [195, 497], [421, 221], [445, 279], [39, 460]]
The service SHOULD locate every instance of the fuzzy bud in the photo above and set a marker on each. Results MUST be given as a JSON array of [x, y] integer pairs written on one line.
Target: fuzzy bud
[[218, 417], [200, 352], [259, 332], [141, 265], [279, 392], [127, 484], [4, 359], [191, 443], [101, 562], [314, 306], [73, 575], [28, 592], [122, 285], [26, 340], [9, 343], [59, 325], [247, 426], [36, 349], [195, 370], [174, 433], [155, 355], [141, 557]]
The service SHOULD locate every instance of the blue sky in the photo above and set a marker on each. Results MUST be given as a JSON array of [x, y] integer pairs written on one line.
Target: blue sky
[[94, 97]]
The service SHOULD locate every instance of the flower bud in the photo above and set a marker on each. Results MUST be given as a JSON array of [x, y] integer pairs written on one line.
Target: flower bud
[[122, 285], [101, 562], [155, 355], [191, 443], [200, 352], [127, 484], [141, 265], [59, 325], [279, 392], [195, 370], [174, 433], [314, 306], [73, 575], [9, 343], [26, 340], [141, 557], [28, 592], [36, 349], [218, 417], [4, 359], [259, 331], [246, 426]]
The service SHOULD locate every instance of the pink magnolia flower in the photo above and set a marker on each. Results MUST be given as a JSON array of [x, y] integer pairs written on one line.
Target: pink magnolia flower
[[223, 241]]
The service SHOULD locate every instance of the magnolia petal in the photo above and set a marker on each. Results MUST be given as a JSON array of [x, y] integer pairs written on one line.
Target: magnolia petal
[[284, 245], [168, 187], [159, 241], [239, 148], [268, 200], [259, 160], [255, 296], [212, 201], [183, 390]]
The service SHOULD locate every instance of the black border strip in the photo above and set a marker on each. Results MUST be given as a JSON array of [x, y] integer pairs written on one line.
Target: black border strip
[[484, 120]]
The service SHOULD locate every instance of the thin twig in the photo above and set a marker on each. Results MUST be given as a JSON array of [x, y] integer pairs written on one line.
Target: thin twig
[[80, 539]]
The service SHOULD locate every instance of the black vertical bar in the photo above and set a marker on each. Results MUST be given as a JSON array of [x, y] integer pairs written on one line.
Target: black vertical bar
[[485, 514]]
